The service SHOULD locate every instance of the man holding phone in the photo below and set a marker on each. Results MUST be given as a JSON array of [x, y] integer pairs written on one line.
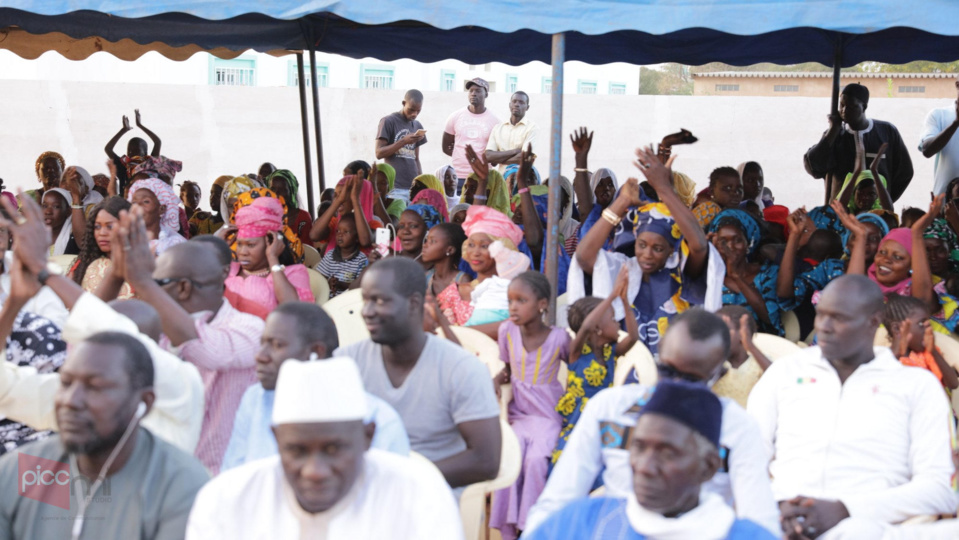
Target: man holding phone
[[398, 140]]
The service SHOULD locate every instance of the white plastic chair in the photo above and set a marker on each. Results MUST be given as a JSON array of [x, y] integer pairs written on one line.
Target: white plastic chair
[[346, 312], [473, 499], [311, 257], [639, 358], [791, 325], [774, 347], [318, 286]]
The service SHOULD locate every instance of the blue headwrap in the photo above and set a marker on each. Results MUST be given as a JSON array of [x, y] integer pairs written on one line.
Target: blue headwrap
[[865, 217], [825, 218], [429, 214], [513, 169], [656, 218], [744, 221]]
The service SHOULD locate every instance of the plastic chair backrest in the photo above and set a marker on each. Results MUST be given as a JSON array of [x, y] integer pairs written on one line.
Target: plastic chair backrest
[[640, 359], [774, 347], [318, 286], [64, 261], [562, 307], [484, 347], [791, 325], [473, 498], [311, 257], [345, 310]]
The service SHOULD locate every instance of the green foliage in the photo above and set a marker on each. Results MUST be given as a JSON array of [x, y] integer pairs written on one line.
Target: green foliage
[[667, 79]]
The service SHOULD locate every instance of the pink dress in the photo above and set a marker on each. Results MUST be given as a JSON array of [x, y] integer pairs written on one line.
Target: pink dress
[[255, 294], [533, 417]]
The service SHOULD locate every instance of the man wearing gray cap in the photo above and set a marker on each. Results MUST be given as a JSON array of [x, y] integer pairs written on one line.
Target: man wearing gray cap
[[326, 481], [470, 125]]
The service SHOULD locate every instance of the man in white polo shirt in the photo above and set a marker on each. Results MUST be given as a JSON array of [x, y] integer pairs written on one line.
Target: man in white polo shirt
[[693, 349], [859, 439]]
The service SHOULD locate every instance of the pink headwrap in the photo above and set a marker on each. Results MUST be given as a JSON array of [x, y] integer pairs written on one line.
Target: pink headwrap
[[366, 196], [10, 197], [159, 165], [263, 215], [435, 199], [164, 193], [903, 237], [483, 219]]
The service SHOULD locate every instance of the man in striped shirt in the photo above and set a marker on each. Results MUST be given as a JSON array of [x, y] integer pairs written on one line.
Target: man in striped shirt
[[185, 286]]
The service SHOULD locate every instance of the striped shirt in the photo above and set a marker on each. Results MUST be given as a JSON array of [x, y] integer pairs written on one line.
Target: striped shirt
[[345, 271], [225, 354]]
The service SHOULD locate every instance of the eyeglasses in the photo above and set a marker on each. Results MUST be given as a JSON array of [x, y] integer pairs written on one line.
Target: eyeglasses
[[163, 282], [666, 371]]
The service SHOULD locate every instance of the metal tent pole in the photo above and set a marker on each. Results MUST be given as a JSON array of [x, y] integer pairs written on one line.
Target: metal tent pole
[[829, 181], [316, 127], [301, 83], [555, 155]]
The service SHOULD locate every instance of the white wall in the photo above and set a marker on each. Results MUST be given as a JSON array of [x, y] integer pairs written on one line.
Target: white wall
[[218, 130]]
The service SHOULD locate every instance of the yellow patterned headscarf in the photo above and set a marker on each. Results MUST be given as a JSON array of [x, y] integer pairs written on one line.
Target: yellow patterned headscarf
[[684, 186], [498, 197], [247, 197]]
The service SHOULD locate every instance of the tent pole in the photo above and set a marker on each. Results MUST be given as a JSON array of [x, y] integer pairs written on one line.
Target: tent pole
[[836, 67], [316, 126], [555, 155], [301, 80]]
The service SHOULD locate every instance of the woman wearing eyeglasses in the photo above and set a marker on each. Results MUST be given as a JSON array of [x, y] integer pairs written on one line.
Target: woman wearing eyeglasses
[[263, 275]]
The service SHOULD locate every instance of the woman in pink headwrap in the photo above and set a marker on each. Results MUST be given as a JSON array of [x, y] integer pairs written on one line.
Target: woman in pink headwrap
[[901, 267], [435, 199], [353, 195], [490, 250], [258, 282], [161, 212]]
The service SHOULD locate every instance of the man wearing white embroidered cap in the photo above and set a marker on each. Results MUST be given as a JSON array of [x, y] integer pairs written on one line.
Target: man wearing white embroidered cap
[[326, 482]]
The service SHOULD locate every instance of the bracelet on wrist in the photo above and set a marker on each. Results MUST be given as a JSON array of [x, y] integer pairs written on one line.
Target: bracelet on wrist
[[611, 217], [581, 169]]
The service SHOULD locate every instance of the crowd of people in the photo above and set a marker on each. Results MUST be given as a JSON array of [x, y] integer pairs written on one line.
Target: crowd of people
[[182, 375]]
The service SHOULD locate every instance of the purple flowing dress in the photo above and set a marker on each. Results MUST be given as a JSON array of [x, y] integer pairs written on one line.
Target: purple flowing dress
[[533, 417]]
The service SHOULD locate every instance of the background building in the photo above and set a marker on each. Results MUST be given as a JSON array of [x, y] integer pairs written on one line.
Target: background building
[[819, 84]]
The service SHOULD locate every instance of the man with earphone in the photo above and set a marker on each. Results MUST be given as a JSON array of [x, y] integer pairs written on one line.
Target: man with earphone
[[124, 482]]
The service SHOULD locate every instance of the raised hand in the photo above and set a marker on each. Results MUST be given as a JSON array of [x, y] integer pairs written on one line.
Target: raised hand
[[126, 124], [31, 236], [356, 188], [935, 209], [525, 167], [928, 339], [848, 220], [796, 222], [657, 174], [479, 166], [905, 336], [138, 259], [874, 168], [621, 285], [581, 141], [136, 113], [630, 192], [274, 247]]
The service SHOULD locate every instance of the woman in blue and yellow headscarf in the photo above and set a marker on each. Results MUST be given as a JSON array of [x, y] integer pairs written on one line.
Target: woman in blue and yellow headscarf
[[749, 284], [674, 266]]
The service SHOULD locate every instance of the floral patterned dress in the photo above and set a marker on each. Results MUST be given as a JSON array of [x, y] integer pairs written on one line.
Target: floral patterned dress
[[587, 376]]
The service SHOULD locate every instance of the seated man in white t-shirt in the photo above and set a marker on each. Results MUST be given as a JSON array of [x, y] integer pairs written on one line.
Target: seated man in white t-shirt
[[859, 440], [693, 349], [442, 392]]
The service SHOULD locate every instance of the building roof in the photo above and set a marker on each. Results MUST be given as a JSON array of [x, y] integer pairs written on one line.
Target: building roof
[[821, 75]]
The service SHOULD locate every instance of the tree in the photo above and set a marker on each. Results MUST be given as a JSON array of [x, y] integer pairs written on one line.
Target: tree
[[667, 79]]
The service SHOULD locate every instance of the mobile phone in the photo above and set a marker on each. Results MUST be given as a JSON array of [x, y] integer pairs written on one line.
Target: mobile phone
[[383, 237], [420, 132]]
